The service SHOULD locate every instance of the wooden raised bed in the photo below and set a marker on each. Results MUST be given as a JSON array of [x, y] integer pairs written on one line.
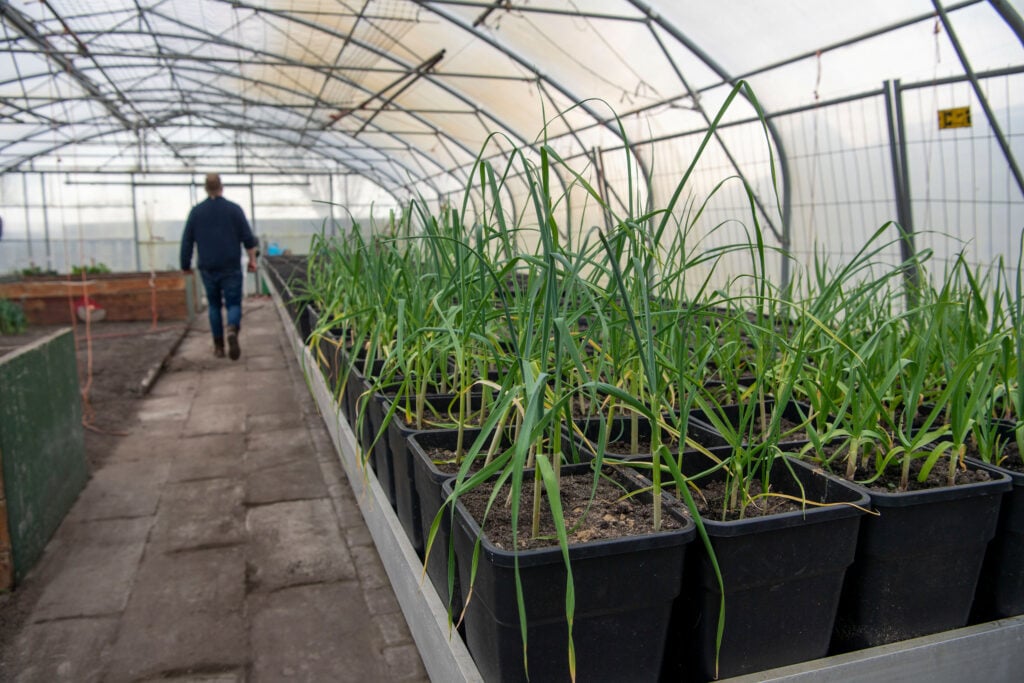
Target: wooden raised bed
[[123, 296]]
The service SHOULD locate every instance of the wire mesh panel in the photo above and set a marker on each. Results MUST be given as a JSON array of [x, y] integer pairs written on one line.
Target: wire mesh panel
[[840, 175], [964, 196], [724, 206]]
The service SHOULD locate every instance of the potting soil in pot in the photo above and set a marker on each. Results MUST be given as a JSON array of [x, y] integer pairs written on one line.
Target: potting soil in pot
[[624, 587]]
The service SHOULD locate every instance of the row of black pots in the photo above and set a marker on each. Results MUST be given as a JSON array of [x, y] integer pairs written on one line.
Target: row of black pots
[[679, 615], [890, 584], [283, 273], [947, 527], [994, 511], [407, 498], [974, 533], [872, 621], [884, 596]]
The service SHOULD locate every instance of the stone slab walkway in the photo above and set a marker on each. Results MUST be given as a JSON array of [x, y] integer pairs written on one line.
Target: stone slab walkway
[[220, 541]]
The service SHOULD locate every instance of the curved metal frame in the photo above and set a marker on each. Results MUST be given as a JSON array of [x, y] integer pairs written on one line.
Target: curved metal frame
[[401, 167]]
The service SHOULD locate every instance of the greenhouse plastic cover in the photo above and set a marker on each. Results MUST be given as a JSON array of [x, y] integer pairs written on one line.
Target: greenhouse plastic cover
[[408, 95]]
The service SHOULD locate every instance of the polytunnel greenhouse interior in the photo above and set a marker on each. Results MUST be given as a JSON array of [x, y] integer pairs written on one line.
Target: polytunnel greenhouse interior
[[322, 115], [575, 205]]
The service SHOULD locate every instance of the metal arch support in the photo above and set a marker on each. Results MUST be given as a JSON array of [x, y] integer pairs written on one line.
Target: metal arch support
[[1010, 16], [509, 130], [383, 180], [231, 126], [149, 124], [168, 57], [153, 123], [24, 25], [406, 80], [997, 131], [707, 120], [527, 65], [411, 148], [360, 16], [901, 186], [391, 58], [784, 235]]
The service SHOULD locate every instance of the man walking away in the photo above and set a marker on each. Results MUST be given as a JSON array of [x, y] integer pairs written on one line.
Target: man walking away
[[216, 227]]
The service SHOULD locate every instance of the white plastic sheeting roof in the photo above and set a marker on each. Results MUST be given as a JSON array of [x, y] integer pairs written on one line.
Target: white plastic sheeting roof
[[407, 93]]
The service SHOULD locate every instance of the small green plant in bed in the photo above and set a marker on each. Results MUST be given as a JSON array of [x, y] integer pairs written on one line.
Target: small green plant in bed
[[12, 318], [37, 271], [90, 269]]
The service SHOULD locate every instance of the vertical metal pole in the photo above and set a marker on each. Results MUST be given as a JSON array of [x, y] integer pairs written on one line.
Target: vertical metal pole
[[901, 183], [252, 211], [908, 207], [330, 203], [997, 132], [346, 199], [46, 223], [252, 202], [135, 226], [894, 154], [28, 215]]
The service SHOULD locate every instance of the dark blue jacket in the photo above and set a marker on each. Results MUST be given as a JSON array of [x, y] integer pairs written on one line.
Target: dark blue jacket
[[216, 226]]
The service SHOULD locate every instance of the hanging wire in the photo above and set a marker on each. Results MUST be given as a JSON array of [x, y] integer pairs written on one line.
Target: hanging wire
[[88, 410], [815, 141], [86, 382], [592, 70], [929, 133]]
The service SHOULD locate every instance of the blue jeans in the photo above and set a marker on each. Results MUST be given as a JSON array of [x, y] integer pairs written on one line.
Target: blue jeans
[[223, 288]]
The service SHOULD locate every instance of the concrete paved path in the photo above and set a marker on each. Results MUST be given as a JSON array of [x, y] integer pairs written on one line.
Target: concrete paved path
[[219, 541]]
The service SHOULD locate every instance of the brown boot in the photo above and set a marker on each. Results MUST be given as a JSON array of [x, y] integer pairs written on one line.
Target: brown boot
[[234, 350], [218, 347]]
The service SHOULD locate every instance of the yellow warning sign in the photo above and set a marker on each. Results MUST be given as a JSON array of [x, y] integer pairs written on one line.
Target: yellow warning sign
[[955, 118]]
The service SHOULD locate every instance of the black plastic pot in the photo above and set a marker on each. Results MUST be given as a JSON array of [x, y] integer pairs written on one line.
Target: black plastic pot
[[289, 273], [623, 596], [312, 321], [351, 374], [296, 311], [358, 390], [407, 498], [309, 322], [1000, 591], [357, 394], [782, 576], [428, 479], [918, 562], [335, 353]]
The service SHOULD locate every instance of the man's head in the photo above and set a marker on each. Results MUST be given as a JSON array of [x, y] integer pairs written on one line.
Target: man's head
[[213, 185]]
